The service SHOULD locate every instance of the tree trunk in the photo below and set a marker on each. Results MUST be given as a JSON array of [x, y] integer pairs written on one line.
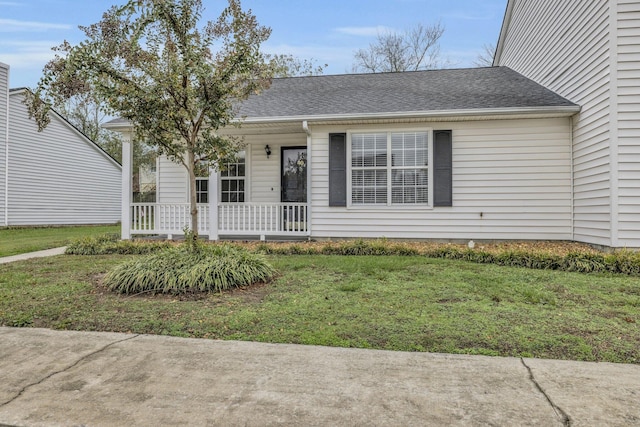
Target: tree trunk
[[193, 196]]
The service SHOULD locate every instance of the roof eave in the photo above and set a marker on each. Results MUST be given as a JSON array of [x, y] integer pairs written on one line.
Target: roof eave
[[478, 113], [559, 111]]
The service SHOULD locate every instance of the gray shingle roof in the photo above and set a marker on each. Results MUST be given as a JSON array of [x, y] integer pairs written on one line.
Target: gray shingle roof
[[436, 90]]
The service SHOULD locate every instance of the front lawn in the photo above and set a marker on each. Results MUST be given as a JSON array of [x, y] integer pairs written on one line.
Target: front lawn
[[15, 241], [408, 303]]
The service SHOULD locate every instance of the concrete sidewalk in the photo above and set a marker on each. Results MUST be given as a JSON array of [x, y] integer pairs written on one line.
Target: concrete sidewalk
[[29, 255], [51, 378]]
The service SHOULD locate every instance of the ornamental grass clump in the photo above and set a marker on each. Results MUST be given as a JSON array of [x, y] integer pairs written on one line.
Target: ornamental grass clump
[[188, 269]]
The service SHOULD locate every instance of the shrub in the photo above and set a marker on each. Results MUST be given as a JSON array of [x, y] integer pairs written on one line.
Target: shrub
[[584, 263], [189, 268], [623, 261], [549, 258], [567, 258], [107, 244]]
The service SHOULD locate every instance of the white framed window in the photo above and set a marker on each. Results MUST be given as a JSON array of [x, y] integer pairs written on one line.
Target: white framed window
[[390, 168], [232, 180], [202, 190]]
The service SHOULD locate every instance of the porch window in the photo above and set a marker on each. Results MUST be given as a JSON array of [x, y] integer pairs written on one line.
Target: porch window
[[390, 168], [232, 180], [202, 190]]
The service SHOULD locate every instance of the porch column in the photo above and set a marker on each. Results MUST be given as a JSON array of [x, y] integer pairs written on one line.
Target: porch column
[[127, 164], [213, 204]]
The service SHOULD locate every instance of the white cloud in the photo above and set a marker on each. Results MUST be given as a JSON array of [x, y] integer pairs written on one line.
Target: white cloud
[[13, 25], [26, 60], [25, 54], [364, 31]]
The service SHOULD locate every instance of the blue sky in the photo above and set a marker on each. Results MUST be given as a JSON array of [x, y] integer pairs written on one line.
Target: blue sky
[[329, 31]]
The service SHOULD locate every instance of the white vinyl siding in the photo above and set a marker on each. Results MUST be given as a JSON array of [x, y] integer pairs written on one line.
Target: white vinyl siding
[[628, 95], [58, 176], [173, 182], [565, 47], [4, 123], [264, 174], [511, 180]]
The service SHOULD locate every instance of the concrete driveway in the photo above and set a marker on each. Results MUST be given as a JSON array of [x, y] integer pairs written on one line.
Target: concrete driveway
[[63, 378]]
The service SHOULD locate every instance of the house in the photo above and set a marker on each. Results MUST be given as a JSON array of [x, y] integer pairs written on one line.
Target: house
[[54, 177], [457, 154], [589, 53]]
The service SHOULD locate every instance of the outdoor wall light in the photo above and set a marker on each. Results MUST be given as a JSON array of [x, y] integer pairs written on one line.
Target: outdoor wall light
[[267, 150]]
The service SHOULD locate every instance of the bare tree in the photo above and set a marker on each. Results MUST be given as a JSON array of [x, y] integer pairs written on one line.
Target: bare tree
[[411, 50], [485, 58]]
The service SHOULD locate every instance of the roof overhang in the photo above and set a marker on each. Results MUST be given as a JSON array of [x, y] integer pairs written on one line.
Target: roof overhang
[[443, 115], [293, 124], [503, 32]]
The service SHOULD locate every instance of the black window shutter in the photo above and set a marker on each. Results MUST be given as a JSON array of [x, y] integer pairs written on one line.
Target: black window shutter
[[337, 169], [442, 168]]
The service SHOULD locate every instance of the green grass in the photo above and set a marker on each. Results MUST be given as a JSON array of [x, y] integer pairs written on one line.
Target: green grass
[[15, 241], [407, 303]]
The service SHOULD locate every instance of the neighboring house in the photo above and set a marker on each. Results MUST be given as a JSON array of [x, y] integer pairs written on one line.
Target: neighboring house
[[54, 177], [481, 154], [588, 52]]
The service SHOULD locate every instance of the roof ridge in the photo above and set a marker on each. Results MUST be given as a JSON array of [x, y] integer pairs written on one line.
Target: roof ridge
[[387, 73]]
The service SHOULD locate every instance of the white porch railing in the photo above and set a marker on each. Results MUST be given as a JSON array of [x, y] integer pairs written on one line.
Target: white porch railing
[[156, 218], [233, 218], [263, 218]]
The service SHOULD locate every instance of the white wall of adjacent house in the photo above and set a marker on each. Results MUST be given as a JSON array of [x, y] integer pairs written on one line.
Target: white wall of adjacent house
[[628, 120], [511, 181], [565, 47], [4, 129], [58, 176]]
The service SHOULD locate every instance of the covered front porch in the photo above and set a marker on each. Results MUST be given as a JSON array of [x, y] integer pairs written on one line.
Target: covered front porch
[[263, 195]]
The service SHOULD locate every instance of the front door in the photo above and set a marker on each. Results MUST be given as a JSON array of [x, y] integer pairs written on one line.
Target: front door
[[294, 188], [294, 175]]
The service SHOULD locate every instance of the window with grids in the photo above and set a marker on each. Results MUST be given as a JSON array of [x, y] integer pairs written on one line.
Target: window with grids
[[390, 168], [232, 180], [202, 190]]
